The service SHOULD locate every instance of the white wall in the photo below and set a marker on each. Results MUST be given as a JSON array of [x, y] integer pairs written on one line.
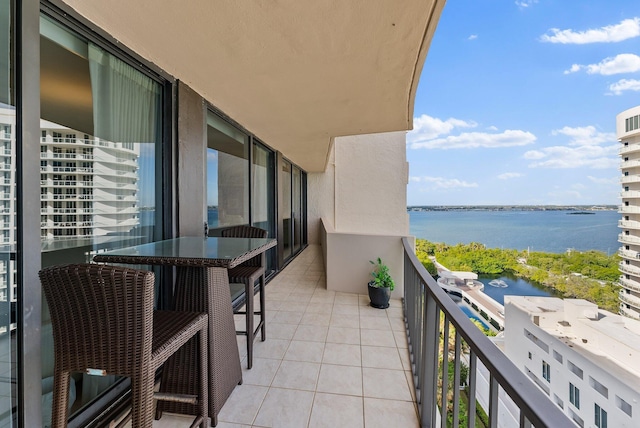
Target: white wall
[[518, 346], [361, 199]]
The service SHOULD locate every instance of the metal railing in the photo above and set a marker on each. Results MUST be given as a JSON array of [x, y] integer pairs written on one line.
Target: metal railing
[[434, 321]]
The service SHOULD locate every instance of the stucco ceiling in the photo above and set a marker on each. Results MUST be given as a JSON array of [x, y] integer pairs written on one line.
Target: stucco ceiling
[[295, 73]]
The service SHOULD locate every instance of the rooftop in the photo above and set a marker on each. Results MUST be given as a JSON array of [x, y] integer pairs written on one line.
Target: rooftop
[[610, 341]]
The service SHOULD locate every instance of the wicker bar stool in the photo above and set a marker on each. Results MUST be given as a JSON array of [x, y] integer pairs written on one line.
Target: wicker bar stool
[[248, 273], [103, 323]]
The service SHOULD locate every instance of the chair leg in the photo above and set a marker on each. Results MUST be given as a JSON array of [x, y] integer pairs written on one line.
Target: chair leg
[[263, 322], [142, 400], [60, 408], [249, 321], [203, 402]]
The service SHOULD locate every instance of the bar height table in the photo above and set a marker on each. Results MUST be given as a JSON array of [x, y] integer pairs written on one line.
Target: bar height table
[[202, 284]]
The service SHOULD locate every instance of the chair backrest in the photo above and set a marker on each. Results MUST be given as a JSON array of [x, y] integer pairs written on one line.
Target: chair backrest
[[244, 232], [247, 232], [102, 317]]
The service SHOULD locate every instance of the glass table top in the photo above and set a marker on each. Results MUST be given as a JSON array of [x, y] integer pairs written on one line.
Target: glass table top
[[212, 250]]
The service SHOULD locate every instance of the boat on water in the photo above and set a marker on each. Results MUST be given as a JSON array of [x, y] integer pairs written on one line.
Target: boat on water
[[498, 283]]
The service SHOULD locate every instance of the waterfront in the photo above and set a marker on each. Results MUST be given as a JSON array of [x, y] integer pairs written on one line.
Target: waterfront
[[548, 231]]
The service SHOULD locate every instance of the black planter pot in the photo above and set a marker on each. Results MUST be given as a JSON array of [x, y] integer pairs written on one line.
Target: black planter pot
[[379, 297]]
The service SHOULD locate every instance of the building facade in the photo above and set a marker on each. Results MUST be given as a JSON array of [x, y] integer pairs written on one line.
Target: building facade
[[582, 357], [628, 133]]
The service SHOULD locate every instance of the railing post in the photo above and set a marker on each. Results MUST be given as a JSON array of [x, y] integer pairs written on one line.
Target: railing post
[[430, 362]]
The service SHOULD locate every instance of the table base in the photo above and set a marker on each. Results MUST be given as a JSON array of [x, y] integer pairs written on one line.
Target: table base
[[180, 372]]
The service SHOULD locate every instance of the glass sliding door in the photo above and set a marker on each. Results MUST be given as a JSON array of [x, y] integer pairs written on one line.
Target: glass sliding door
[[292, 209], [286, 223], [296, 214], [8, 284], [101, 136], [263, 196], [227, 174]]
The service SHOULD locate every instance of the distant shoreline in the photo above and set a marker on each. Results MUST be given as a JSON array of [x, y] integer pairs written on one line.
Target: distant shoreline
[[580, 208]]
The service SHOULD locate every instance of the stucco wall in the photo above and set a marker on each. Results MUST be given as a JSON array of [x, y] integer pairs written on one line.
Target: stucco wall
[[357, 209], [363, 189]]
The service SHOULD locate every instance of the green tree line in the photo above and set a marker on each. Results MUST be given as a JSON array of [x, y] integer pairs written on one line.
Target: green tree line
[[589, 275]]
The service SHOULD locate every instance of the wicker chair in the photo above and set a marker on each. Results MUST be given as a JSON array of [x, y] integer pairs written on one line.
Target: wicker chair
[[104, 323], [248, 273]]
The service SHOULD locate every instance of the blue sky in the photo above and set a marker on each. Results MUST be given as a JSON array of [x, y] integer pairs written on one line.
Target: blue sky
[[517, 103]]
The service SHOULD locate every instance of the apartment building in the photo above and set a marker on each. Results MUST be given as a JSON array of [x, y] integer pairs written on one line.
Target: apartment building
[[582, 357], [628, 133]]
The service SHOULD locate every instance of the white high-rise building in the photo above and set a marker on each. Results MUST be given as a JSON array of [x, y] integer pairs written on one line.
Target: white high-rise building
[[628, 133], [88, 187], [584, 358]]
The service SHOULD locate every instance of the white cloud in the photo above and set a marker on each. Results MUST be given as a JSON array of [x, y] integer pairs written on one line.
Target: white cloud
[[426, 127], [625, 85], [622, 63], [587, 147], [472, 37], [525, 3], [585, 136], [492, 128], [626, 29], [467, 140], [442, 183], [607, 181], [508, 175], [534, 154]]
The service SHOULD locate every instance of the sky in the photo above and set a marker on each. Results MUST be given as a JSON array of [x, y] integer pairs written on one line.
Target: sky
[[517, 103]]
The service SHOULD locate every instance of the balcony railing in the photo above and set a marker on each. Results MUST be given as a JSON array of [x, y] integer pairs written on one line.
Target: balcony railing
[[629, 268], [424, 303]]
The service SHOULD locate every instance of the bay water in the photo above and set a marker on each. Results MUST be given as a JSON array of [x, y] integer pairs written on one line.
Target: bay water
[[547, 231]]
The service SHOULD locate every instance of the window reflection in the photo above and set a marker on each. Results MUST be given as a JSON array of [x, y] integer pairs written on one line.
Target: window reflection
[[8, 283], [100, 131], [227, 174]]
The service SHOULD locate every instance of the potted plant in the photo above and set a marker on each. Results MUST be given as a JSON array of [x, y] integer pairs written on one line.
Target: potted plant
[[381, 286]]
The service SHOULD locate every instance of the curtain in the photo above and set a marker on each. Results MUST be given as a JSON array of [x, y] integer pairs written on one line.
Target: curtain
[[125, 101]]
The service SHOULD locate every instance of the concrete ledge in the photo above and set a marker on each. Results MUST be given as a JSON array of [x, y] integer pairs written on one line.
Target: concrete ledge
[[347, 255]]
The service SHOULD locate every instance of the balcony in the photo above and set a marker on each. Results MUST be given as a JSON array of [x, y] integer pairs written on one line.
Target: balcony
[[332, 360], [631, 178], [629, 164], [628, 209], [630, 194], [629, 312], [629, 299], [630, 148], [629, 283], [629, 254], [628, 239], [629, 268]]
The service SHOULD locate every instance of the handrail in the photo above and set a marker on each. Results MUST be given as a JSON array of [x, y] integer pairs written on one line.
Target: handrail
[[423, 301]]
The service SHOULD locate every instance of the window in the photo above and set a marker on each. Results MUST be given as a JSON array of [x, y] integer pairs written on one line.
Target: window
[[530, 355], [574, 369], [624, 406], [546, 371], [532, 337], [115, 92], [603, 390], [574, 395], [227, 174], [557, 356], [600, 417]]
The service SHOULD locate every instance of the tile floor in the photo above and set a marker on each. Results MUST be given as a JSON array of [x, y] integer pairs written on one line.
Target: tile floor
[[330, 360]]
